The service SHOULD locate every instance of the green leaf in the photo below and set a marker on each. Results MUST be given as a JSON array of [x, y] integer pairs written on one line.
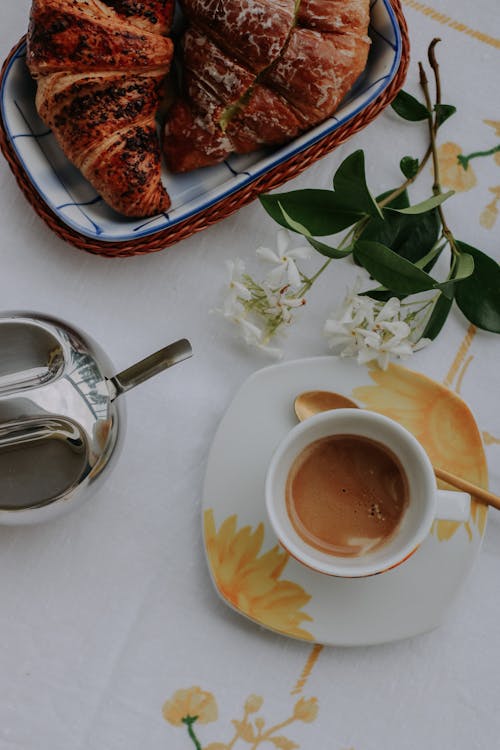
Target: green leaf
[[299, 228], [427, 205], [478, 296], [390, 269], [438, 317], [409, 108], [330, 252], [381, 294], [409, 166], [427, 261], [315, 210], [351, 190], [448, 288], [412, 237], [400, 201], [321, 247], [463, 269], [443, 112], [323, 212], [465, 266]]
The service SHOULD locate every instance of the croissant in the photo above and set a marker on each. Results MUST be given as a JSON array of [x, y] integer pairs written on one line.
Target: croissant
[[100, 67], [260, 72]]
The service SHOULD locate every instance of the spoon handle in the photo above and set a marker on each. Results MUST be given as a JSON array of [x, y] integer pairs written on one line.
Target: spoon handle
[[478, 493], [139, 372]]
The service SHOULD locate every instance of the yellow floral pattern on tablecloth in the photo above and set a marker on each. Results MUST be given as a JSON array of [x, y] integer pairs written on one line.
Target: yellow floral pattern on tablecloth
[[250, 729], [455, 172], [451, 172], [190, 703], [441, 421], [489, 214], [250, 581], [495, 124]]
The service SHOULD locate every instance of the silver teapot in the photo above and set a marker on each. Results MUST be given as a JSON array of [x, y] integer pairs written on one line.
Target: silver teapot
[[61, 422]]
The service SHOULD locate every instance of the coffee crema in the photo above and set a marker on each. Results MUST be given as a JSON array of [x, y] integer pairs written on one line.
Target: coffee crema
[[346, 495]]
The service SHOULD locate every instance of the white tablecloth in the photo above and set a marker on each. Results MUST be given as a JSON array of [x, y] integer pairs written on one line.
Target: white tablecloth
[[108, 612]]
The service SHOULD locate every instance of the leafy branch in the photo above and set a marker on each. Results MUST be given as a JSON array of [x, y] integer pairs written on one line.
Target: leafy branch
[[398, 243]]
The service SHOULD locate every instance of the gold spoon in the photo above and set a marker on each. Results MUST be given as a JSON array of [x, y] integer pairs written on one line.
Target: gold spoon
[[312, 402]]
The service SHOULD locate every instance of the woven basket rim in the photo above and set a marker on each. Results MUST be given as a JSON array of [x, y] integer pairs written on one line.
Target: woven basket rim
[[222, 208]]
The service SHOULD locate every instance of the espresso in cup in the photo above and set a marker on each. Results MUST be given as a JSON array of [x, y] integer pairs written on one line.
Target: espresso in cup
[[346, 495], [352, 493]]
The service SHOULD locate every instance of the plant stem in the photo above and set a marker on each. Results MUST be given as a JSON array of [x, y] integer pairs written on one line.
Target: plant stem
[[429, 152], [189, 721], [430, 149], [435, 69], [424, 83], [464, 160], [436, 187], [310, 281], [408, 182], [351, 234]]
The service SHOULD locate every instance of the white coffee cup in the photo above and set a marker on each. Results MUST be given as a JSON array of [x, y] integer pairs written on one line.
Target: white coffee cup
[[426, 503]]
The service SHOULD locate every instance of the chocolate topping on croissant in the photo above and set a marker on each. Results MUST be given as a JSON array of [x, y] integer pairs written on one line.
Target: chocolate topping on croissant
[[100, 67]]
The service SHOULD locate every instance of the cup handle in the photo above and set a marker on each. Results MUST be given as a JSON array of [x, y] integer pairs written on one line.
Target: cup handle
[[452, 506]]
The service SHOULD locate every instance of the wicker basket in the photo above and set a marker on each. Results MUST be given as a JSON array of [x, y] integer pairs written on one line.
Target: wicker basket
[[266, 182]]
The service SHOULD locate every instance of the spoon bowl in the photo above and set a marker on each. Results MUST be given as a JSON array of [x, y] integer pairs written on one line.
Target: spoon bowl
[[309, 403]]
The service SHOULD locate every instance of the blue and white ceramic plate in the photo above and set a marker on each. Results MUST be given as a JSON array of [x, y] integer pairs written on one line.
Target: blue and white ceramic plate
[[76, 203]]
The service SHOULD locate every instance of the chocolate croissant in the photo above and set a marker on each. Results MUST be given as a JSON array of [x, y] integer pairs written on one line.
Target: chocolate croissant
[[100, 67], [260, 72]]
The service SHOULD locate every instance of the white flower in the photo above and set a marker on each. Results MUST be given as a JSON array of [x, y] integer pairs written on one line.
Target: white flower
[[286, 270], [389, 310], [260, 309], [237, 290], [251, 333], [372, 330], [254, 336], [281, 303]]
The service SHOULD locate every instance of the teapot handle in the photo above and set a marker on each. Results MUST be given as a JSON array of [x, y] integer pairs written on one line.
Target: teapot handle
[[136, 374]]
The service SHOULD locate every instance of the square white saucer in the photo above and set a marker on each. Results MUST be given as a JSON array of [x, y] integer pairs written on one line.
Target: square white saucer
[[256, 577]]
